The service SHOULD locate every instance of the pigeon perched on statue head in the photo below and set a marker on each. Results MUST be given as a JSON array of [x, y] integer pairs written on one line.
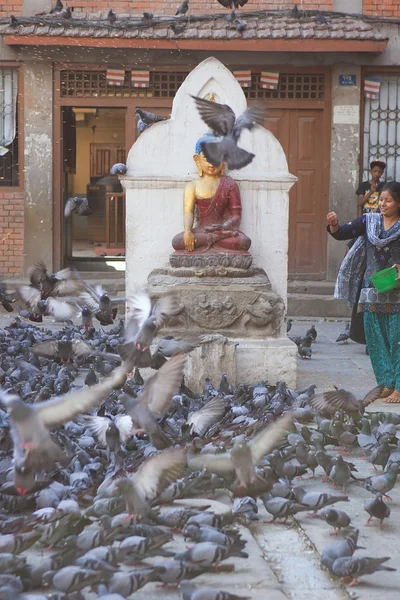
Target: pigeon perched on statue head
[[224, 124]]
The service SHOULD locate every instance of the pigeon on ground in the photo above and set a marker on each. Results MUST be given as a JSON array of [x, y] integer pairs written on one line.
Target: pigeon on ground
[[382, 484], [79, 206], [335, 518], [352, 568], [316, 500], [377, 508], [281, 508], [304, 351], [312, 332], [289, 325], [208, 553], [340, 548], [345, 336], [227, 129], [340, 473], [191, 592]]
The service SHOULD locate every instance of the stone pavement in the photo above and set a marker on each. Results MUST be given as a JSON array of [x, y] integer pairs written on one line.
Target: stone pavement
[[283, 560]]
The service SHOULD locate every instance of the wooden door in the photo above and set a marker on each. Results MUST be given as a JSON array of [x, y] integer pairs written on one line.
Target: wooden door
[[300, 133], [104, 156]]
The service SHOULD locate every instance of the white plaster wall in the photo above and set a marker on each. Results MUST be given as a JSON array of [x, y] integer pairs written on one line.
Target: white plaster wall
[[161, 162]]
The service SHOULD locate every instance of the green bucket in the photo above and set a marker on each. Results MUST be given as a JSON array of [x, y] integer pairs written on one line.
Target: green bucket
[[386, 280]]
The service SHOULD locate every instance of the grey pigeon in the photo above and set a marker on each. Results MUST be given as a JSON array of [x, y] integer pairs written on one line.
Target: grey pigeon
[[80, 206], [57, 7], [223, 122], [366, 440], [148, 118], [245, 455], [152, 477], [183, 8], [345, 336], [340, 473], [118, 169], [335, 518], [377, 508], [281, 508], [328, 403], [340, 548], [144, 322], [382, 484], [191, 592], [31, 422], [316, 500], [208, 553], [111, 16], [73, 578], [353, 568], [155, 399], [380, 455]]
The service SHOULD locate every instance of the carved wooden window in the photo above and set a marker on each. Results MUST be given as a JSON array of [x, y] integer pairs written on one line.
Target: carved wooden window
[[87, 84], [382, 127], [291, 86]]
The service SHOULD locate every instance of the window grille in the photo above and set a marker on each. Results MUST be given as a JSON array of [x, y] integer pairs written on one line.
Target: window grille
[[291, 86], [87, 84], [382, 127], [9, 164]]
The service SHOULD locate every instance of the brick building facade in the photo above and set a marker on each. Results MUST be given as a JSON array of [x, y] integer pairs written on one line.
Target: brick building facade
[[322, 66]]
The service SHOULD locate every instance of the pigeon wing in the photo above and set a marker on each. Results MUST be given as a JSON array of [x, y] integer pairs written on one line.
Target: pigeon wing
[[237, 158], [36, 273], [252, 116], [165, 307], [328, 403], [160, 388], [80, 348], [98, 427], [55, 412], [47, 349], [200, 420], [219, 117], [60, 310], [90, 302], [29, 295], [372, 395], [270, 437], [159, 471], [220, 464], [140, 307], [125, 427]]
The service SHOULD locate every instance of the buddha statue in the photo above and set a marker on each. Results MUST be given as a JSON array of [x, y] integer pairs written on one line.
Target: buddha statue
[[216, 199]]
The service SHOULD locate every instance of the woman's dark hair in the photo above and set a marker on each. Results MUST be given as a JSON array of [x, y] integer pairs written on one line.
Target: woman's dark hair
[[394, 188]]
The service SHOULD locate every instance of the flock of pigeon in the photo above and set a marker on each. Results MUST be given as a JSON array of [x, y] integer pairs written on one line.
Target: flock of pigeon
[[92, 458], [303, 342]]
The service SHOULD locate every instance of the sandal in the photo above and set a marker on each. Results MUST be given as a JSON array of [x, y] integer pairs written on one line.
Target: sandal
[[394, 398], [386, 392]]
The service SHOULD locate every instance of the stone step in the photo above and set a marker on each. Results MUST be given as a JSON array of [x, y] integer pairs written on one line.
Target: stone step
[[323, 288], [316, 305]]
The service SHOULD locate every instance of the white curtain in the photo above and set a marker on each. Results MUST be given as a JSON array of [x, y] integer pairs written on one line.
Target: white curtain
[[8, 108]]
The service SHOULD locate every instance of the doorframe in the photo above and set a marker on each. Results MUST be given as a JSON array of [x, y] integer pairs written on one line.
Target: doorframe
[[129, 104]]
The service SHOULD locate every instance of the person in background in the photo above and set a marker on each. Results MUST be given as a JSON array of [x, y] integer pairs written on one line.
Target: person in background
[[368, 192], [377, 247]]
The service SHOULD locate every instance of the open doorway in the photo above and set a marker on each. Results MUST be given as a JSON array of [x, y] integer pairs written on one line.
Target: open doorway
[[94, 140]]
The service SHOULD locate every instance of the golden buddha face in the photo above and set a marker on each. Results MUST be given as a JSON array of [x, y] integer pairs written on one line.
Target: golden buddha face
[[206, 168]]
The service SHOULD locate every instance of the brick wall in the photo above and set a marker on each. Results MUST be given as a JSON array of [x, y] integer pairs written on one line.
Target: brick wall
[[168, 7], [382, 8], [11, 232]]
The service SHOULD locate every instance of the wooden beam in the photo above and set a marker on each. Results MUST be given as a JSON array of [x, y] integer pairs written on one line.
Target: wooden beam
[[256, 45]]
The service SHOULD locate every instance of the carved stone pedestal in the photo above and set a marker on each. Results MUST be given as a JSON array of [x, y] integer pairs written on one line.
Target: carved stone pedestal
[[248, 315]]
